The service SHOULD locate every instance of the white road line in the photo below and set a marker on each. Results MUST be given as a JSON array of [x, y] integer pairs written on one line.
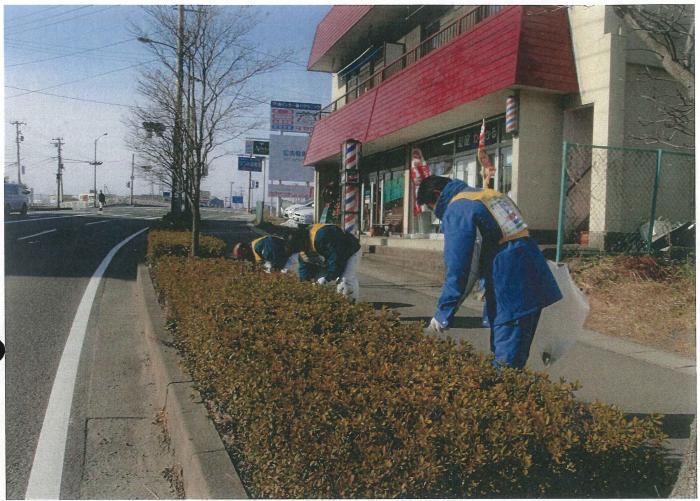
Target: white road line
[[42, 219], [37, 234], [98, 222], [47, 469]]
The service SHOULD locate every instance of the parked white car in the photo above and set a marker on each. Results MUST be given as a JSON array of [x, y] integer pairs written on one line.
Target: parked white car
[[16, 198], [289, 211], [304, 215]]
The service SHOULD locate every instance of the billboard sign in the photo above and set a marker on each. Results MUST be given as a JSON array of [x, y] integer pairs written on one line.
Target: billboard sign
[[289, 191], [237, 199], [293, 117], [287, 158], [257, 147], [250, 164]]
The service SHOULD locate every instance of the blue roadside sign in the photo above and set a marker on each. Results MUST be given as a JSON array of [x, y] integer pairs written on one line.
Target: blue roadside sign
[[237, 199], [250, 164]]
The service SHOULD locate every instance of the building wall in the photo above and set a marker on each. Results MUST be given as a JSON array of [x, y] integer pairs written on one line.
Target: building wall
[[640, 86], [599, 52], [537, 158]]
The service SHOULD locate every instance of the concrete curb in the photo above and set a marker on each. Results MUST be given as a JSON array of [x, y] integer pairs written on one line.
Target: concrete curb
[[207, 471]]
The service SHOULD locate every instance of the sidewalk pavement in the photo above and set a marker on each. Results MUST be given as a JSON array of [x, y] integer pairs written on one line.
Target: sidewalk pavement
[[637, 379]]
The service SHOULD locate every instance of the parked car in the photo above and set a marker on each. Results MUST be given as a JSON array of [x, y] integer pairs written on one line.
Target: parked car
[[304, 215], [16, 198], [289, 211]]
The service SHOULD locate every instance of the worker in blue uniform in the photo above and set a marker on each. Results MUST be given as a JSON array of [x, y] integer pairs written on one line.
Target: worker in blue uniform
[[340, 250], [272, 252], [518, 282]]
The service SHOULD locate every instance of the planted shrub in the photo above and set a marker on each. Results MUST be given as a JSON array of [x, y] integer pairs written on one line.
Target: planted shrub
[[324, 398], [179, 243]]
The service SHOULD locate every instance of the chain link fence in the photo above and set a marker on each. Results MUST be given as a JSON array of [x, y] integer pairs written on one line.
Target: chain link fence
[[610, 198]]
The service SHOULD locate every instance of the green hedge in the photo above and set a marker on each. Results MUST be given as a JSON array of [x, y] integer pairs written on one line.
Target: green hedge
[[178, 243], [323, 398]]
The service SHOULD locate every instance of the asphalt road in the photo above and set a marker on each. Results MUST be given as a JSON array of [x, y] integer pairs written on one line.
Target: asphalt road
[[49, 260]]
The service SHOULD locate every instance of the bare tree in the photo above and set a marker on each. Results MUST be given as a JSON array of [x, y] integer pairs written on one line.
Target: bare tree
[[221, 70], [668, 31]]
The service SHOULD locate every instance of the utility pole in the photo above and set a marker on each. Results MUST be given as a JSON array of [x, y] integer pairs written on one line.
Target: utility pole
[[250, 184], [58, 142], [177, 131], [131, 185], [19, 139], [94, 164]]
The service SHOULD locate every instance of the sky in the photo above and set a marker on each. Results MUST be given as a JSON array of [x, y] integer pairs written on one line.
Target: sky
[[82, 62]]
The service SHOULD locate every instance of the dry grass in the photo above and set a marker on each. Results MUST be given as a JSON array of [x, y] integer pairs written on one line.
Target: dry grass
[[640, 299]]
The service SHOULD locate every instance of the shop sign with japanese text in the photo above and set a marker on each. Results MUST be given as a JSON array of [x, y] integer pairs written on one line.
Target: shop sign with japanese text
[[293, 117]]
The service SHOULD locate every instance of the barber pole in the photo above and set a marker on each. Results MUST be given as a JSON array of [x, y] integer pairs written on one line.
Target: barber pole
[[511, 117], [350, 180]]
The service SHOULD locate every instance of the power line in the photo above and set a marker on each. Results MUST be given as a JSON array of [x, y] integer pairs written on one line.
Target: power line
[[32, 21], [110, 56], [66, 20], [82, 79], [70, 97], [69, 55], [14, 18]]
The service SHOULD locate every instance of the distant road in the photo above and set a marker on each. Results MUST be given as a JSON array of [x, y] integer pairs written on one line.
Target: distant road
[[50, 257]]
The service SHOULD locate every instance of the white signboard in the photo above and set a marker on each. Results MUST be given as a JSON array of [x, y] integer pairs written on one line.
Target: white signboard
[[287, 158], [293, 117], [289, 191]]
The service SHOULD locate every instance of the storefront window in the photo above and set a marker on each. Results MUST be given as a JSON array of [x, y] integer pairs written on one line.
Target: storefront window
[[383, 188], [505, 170], [454, 156]]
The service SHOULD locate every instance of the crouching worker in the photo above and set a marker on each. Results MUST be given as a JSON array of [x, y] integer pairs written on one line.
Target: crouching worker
[[340, 250], [518, 283], [272, 252]]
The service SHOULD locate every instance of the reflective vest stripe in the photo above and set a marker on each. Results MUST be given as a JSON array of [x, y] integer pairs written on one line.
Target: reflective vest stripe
[[312, 234], [258, 257], [488, 194]]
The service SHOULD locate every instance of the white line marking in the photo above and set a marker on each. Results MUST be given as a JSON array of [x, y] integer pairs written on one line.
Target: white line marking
[[37, 234], [47, 469], [98, 222], [42, 219]]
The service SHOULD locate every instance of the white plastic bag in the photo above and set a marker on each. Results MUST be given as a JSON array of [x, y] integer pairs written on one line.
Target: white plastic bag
[[561, 324]]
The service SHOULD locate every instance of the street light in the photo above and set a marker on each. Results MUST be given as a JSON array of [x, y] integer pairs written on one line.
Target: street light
[[177, 131], [94, 173]]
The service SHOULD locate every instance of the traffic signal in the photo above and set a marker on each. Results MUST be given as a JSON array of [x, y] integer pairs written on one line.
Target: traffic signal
[[257, 184]]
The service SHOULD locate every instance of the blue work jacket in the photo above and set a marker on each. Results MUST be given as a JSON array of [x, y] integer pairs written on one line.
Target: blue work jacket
[[335, 245], [271, 249], [518, 281]]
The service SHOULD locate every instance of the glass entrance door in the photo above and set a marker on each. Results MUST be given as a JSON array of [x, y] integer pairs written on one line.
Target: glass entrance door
[[467, 170]]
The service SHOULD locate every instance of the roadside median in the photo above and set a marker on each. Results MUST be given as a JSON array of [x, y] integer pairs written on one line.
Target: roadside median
[[207, 471], [317, 397]]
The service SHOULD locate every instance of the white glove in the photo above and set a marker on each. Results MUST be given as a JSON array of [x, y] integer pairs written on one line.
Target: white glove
[[321, 281], [268, 267], [284, 270], [436, 326]]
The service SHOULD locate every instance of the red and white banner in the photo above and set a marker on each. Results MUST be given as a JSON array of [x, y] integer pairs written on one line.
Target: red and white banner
[[419, 171], [487, 168]]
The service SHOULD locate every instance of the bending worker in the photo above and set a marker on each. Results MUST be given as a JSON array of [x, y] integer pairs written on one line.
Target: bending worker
[[272, 252], [517, 279], [340, 250]]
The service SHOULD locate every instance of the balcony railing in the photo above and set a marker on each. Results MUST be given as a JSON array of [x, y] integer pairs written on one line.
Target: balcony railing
[[450, 32]]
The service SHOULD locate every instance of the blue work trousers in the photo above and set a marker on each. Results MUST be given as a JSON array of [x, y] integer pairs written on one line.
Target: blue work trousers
[[510, 342]]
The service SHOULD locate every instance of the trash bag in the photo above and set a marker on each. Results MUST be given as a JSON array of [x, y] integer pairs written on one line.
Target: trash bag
[[561, 324]]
